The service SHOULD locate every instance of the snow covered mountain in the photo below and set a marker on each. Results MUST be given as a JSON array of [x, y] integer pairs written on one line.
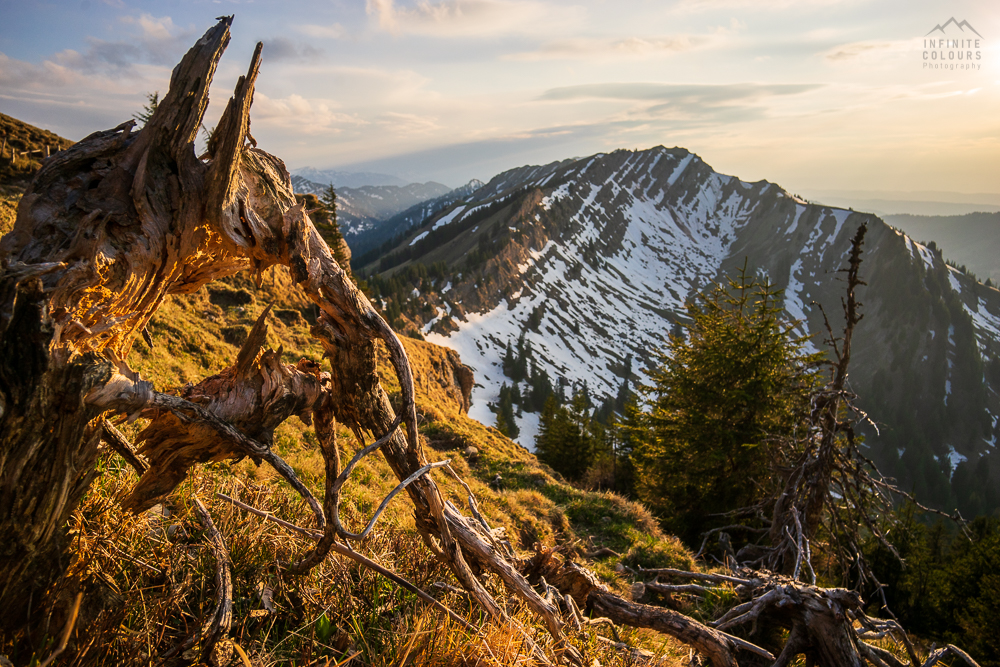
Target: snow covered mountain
[[346, 179], [591, 261]]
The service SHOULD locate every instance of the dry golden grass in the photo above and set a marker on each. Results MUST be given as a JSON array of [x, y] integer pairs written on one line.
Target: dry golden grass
[[9, 199], [149, 580]]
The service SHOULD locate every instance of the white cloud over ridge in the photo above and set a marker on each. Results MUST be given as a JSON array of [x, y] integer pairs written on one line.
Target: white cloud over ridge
[[309, 116]]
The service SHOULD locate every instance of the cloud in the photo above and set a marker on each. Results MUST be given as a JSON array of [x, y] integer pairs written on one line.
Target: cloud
[[408, 123], [654, 107], [19, 74], [304, 115], [464, 18], [332, 31], [690, 6], [866, 50], [283, 48], [155, 41], [602, 49], [702, 94], [630, 47]]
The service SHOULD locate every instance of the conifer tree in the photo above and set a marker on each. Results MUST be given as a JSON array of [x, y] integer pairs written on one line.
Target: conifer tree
[[739, 378], [506, 423], [508, 361]]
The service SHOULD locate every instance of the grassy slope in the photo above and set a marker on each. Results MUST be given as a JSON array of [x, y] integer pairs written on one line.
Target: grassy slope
[[149, 579], [9, 199], [23, 137]]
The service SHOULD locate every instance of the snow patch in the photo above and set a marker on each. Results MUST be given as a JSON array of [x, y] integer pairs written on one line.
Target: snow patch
[[451, 217], [953, 280], [679, 169]]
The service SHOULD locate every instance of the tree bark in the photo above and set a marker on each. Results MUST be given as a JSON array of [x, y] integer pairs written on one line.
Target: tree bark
[[106, 231]]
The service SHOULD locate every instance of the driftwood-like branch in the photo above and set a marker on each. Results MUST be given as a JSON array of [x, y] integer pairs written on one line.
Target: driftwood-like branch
[[942, 653], [120, 444], [588, 593], [221, 620], [194, 433]]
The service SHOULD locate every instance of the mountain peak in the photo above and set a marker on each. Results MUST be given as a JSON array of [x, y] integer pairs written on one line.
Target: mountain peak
[[590, 261]]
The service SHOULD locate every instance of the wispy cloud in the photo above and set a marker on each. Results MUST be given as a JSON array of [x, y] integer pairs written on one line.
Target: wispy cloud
[[756, 5], [867, 50], [408, 123], [466, 18], [305, 115], [630, 46], [707, 94], [602, 49], [282, 48], [19, 74], [155, 41], [332, 31]]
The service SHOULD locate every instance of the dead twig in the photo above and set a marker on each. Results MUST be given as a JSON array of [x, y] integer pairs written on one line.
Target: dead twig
[[120, 444]]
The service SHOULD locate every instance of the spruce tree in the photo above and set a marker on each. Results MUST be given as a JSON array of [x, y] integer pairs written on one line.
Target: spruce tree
[[739, 378]]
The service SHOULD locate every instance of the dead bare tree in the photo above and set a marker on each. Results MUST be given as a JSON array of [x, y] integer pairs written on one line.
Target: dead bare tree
[[106, 231], [111, 227]]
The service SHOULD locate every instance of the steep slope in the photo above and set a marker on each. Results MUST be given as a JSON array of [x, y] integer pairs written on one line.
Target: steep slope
[[380, 237], [22, 149], [592, 260]]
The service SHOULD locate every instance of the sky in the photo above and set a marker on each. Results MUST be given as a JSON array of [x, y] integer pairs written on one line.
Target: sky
[[816, 95]]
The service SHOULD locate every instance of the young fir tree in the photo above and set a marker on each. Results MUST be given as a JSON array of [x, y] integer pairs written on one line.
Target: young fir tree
[[148, 109], [506, 423], [738, 379], [568, 438], [323, 212]]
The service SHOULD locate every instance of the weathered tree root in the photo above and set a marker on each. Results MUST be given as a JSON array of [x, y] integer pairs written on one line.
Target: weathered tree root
[[112, 226], [589, 594]]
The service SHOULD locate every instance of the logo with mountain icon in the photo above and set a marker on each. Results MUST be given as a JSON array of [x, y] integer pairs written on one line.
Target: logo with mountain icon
[[961, 26], [949, 52]]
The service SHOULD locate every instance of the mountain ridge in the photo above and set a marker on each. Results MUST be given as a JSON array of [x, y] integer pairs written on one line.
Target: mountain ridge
[[592, 260]]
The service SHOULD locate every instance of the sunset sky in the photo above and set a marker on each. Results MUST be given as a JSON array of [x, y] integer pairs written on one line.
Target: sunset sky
[[813, 95]]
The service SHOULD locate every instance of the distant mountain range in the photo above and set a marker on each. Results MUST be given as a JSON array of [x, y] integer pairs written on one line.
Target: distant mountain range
[[371, 215], [591, 261], [347, 179], [928, 202], [972, 240]]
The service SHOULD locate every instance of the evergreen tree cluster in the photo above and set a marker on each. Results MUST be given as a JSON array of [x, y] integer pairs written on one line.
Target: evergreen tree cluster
[[519, 365], [718, 396], [396, 290], [948, 591], [576, 438]]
